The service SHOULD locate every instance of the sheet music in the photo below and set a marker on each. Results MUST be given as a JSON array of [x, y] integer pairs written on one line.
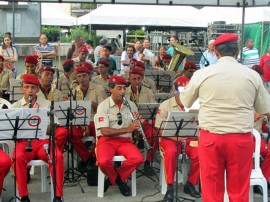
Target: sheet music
[[161, 78], [160, 97], [146, 110], [29, 121]]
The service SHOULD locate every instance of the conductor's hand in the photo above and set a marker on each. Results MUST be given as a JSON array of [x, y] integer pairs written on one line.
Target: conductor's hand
[[133, 126]]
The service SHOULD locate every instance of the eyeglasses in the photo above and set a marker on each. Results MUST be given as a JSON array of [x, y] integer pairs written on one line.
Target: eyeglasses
[[119, 118]]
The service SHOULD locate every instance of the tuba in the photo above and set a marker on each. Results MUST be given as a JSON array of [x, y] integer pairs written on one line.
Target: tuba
[[180, 52], [79, 96]]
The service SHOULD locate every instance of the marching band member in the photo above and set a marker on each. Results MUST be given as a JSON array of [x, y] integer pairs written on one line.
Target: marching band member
[[30, 86], [30, 64], [64, 80], [168, 147], [229, 92], [188, 71], [114, 131], [103, 77], [5, 163], [137, 93]]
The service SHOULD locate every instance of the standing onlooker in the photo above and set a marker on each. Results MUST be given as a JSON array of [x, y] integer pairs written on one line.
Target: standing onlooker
[[250, 54], [265, 64], [226, 119], [98, 50], [137, 46], [146, 55], [209, 56], [73, 50], [106, 51], [127, 56], [45, 50], [90, 46], [9, 53]]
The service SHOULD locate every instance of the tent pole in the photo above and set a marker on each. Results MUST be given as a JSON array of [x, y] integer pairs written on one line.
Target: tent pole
[[242, 30]]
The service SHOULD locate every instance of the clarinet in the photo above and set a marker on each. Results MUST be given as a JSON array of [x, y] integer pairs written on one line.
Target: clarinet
[[140, 130], [28, 147]]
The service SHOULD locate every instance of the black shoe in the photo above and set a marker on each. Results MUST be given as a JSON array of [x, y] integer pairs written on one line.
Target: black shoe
[[258, 189], [58, 199], [84, 166], [123, 187], [168, 196], [28, 175], [25, 199], [107, 183], [189, 189], [148, 169]]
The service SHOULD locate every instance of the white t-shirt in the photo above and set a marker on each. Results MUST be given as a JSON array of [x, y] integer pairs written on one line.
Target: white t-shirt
[[124, 57]]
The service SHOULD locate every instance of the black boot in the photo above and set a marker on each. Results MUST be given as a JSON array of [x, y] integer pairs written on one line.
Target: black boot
[[168, 196], [84, 166], [148, 169], [107, 183], [25, 199], [123, 187], [57, 199], [190, 189]]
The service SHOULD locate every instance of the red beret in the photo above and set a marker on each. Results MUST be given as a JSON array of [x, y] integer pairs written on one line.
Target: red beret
[[104, 62], [68, 62], [135, 70], [83, 49], [133, 59], [140, 64], [31, 59], [181, 81], [118, 80], [30, 79], [191, 65], [226, 38], [47, 69], [2, 58], [167, 56], [258, 69], [82, 69], [88, 66]]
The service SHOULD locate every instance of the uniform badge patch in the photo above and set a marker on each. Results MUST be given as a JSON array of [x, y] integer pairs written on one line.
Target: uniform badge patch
[[101, 119], [159, 111]]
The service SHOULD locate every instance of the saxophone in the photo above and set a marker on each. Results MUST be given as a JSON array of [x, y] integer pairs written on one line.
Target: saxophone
[[79, 96]]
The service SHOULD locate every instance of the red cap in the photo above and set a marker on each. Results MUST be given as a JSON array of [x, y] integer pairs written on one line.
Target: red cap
[[31, 59], [88, 66], [83, 49], [104, 62], [68, 62], [47, 69], [226, 38], [181, 81], [2, 58], [167, 56], [258, 69], [30, 79], [191, 65], [135, 70], [82, 69], [133, 59], [140, 64], [118, 80]]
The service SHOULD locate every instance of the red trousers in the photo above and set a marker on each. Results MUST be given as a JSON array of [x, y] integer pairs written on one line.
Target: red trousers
[[151, 136], [62, 136], [169, 149], [107, 148], [23, 157], [225, 152], [265, 166], [5, 164]]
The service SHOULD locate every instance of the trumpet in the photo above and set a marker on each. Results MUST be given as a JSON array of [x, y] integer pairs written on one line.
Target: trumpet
[[140, 129], [28, 147]]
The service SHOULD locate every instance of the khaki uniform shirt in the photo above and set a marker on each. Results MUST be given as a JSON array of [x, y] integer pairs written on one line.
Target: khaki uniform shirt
[[19, 77], [107, 116], [62, 85], [5, 76], [146, 95], [77, 62], [228, 94], [57, 95], [72, 77], [149, 83], [100, 81], [164, 109], [95, 93]]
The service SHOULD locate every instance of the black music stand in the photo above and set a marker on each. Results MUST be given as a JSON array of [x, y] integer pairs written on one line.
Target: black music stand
[[160, 97], [28, 123], [180, 125], [15, 93], [162, 79], [73, 113], [148, 111]]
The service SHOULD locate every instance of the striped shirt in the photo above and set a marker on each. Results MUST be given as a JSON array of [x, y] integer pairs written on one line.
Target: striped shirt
[[250, 57], [45, 49]]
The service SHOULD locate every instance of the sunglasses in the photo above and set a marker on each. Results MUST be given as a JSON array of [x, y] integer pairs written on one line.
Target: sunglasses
[[119, 118]]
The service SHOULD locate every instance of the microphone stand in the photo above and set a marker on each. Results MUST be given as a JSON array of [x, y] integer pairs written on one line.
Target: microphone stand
[[206, 61]]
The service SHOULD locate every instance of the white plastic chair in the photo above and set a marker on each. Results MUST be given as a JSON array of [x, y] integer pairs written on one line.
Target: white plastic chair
[[256, 177]]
